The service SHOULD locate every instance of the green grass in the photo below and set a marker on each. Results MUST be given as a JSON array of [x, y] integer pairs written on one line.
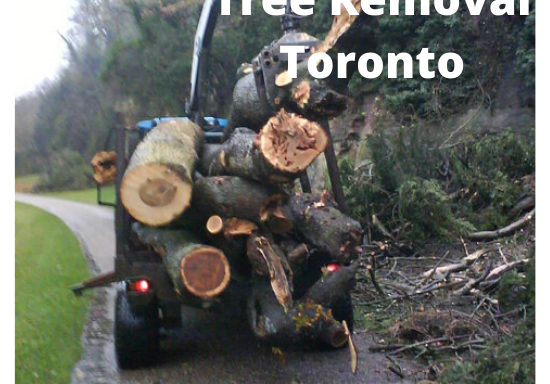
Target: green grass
[[26, 183], [48, 319], [86, 195]]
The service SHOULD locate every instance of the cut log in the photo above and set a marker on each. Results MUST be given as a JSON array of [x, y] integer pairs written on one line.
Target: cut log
[[214, 225], [281, 152], [157, 185], [307, 96], [247, 109], [306, 320], [104, 167], [231, 196], [320, 224], [332, 289], [290, 143], [266, 261], [193, 267]]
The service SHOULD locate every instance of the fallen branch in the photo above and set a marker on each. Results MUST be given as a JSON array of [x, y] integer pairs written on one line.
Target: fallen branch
[[523, 205], [499, 271], [503, 232], [474, 283], [464, 264]]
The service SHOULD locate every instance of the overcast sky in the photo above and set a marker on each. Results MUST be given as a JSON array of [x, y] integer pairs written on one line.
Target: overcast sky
[[39, 50]]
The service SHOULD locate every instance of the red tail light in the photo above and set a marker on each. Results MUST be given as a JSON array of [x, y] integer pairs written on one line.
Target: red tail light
[[332, 267], [141, 286]]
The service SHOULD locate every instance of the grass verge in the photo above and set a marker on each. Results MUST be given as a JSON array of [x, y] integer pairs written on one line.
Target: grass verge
[[88, 196], [48, 319]]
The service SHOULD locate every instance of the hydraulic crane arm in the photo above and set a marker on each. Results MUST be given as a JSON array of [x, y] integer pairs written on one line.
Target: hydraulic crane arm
[[209, 16]]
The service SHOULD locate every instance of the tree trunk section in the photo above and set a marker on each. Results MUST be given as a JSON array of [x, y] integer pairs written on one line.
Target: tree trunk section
[[157, 185], [231, 196], [280, 153], [199, 269], [320, 224]]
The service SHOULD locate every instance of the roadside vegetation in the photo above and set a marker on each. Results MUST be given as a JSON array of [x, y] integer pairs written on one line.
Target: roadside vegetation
[[29, 184], [48, 319], [88, 196]]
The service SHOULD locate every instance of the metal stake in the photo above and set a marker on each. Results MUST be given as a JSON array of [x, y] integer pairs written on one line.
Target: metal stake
[[333, 171]]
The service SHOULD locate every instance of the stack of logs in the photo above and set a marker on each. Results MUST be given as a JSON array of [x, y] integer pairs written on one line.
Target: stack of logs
[[230, 212], [222, 212]]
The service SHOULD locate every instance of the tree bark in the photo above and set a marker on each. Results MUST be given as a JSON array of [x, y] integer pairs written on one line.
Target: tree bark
[[265, 260], [231, 196], [307, 96], [280, 153], [503, 232], [157, 185], [320, 224], [306, 320], [193, 267]]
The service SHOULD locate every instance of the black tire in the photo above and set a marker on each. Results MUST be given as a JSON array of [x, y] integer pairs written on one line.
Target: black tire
[[137, 342], [344, 311]]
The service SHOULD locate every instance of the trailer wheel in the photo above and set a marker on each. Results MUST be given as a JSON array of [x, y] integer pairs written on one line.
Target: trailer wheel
[[344, 311], [136, 333]]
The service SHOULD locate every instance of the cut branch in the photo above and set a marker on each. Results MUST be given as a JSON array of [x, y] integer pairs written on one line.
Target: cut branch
[[321, 225], [310, 97], [238, 227], [214, 225]]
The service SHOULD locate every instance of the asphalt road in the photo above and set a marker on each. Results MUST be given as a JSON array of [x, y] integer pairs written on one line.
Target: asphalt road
[[210, 348]]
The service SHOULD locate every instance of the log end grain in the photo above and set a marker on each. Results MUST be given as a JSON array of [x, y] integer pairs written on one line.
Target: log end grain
[[334, 335], [104, 167], [290, 143], [214, 225], [205, 272], [154, 194]]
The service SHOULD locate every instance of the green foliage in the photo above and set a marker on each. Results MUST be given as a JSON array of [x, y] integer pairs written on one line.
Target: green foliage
[[490, 166], [154, 68], [486, 44], [426, 191], [424, 205], [66, 170], [525, 54]]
